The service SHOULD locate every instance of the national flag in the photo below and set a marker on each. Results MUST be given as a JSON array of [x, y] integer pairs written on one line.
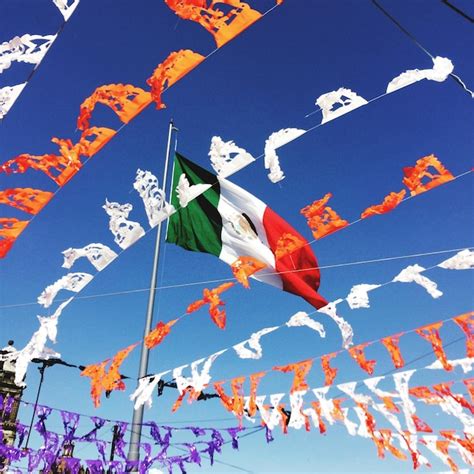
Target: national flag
[[229, 222]]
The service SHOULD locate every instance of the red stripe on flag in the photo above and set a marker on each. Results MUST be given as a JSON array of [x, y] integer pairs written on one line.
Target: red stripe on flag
[[304, 283]]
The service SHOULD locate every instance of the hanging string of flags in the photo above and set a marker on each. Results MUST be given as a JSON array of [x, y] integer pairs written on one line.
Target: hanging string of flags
[[200, 369], [126, 100], [30, 49], [196, 442]]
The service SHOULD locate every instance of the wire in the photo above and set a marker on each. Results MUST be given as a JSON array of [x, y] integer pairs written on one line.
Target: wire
[[418, 44], [205, 282]]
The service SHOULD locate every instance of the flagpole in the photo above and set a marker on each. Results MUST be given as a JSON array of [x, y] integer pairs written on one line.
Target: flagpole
[[134, 449]]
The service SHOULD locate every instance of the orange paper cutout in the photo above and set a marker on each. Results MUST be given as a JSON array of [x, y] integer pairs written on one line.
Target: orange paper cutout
[[329, 372], [389, 203], [254, 382], [469, 383], [391, 344], [357, 353], [322, 219], [10, 229], [443, 447], [467, 443], [126, 100], [102, 136], [466, 323], [234, 403], [431, 334], [26, 199], [244, 267], [287, 244], [414, 176], [317, 409], [386, 435], [444, 390], [193, 396], [156, 336], [222, 26], [420, 425], [211, 297], [301, 370], [101, 380], [170, 71]]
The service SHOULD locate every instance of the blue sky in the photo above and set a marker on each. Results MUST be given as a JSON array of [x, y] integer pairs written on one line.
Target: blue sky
[[266, 79]]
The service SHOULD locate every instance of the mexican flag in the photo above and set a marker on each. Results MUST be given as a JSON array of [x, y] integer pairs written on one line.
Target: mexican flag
[[228, 222]]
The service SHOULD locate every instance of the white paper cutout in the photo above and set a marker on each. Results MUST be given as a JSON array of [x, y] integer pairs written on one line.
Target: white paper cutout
[[358, 296], [66, 9], [297, 418], [412, 273], [345, 98], [274, 141], [401, 380], [227, 158], [72, 282], [362, 430], [466, 364], [442, 68], [326, 405], [99, 255], [154, 199], [198, 380], [8, 96], [125, 232], [463, 260], [24, 49], [271, 416], [372, 385], [186, 192], [346, 329], [36, 347], [143, 395], [255, 351], [302, 319]]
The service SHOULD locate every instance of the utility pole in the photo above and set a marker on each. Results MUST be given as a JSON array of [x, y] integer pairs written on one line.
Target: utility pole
[[134, 449]]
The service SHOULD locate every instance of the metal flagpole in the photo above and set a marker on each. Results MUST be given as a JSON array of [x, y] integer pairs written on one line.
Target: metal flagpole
[[134, 450]]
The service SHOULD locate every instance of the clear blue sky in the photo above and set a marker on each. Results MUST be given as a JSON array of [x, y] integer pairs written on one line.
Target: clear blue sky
[[266, 79]]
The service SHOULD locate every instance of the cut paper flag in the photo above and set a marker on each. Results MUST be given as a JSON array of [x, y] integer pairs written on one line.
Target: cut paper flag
[[125, 232], [302, 319], [72, 282], [24, 49], [389, 203], [336, 103], [346, 329], [228, 222], [154, 199], [359, 296], [255, 351], [143, 395], [412, 274], [198, 379], [99, 255], [103, 380], [463, 260], [274, 141], [66, 7], [10, 229], [245, 267], [442, 68], [227, 158], [223, 25], [36, 347], [8, 96], [186, 192]]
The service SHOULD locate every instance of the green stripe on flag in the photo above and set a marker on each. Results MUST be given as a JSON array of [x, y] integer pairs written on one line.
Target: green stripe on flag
[[198, 226]]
